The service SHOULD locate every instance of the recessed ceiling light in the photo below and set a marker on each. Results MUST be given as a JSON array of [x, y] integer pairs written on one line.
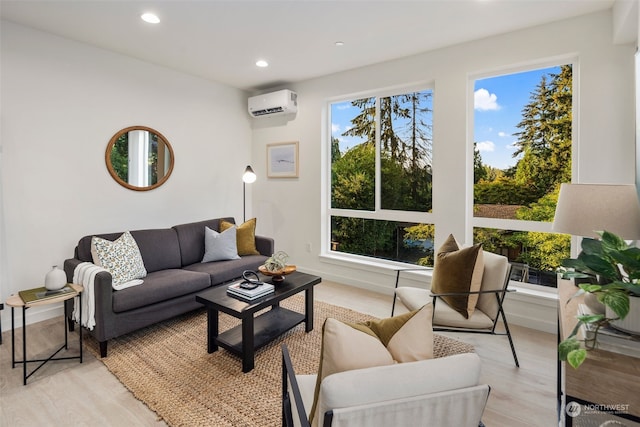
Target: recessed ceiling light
[[262, 63], [150, 18], [338, 43]]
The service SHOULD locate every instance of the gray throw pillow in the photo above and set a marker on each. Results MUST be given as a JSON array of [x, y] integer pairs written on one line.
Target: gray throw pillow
[[220, 246]]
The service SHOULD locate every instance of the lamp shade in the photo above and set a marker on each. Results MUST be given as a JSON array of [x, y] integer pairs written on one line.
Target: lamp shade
[[583, 209], [249, 176]]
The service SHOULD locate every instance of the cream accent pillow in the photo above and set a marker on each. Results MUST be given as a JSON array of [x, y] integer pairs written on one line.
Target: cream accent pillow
[[458, 270], [349, 346], [121, 258], [246, 236]]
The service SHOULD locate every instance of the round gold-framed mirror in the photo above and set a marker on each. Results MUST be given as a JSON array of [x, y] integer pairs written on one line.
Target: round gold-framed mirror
[[139, 158]]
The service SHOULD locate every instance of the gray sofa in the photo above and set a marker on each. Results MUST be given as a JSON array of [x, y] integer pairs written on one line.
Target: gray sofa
[[175, 274]]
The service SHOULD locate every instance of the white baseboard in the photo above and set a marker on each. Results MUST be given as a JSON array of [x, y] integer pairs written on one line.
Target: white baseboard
[[34, 315]]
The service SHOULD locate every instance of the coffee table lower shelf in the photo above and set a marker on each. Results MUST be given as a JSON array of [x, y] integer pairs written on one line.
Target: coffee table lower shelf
[[266, 328]]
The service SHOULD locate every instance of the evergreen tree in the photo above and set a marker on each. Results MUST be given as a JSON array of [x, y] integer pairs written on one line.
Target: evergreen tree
[[545, 136], [480, 172]]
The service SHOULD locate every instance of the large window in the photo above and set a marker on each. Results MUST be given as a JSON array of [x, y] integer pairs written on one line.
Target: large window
[[381, 177], [522, 153]]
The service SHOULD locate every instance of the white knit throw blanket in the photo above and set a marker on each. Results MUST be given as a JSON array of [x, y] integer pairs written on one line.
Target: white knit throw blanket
[[85, 275]]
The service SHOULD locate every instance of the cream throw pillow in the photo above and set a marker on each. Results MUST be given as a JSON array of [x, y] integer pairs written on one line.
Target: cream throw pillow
[[121, 258], [348, 346]]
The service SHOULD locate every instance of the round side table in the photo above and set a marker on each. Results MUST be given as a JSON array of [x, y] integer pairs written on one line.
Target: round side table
[[16, 301]]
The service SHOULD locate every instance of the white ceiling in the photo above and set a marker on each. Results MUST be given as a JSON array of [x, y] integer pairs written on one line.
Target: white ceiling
[[221, 40]]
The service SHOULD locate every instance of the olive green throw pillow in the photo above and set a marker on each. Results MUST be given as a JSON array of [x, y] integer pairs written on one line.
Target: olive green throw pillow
[[347, 346], [458, 270], [245, 236]]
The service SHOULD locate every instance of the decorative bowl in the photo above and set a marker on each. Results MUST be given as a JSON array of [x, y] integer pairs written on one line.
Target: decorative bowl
[[278, 276]]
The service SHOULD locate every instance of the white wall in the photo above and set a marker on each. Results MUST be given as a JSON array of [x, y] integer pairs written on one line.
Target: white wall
[[291, 210], [61, 103]]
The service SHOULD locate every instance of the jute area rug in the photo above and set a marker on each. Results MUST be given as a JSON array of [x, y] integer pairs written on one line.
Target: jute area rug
[[167, 367]]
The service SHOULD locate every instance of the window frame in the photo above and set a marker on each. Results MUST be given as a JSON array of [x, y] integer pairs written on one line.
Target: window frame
[[378, 213], [511, 224]]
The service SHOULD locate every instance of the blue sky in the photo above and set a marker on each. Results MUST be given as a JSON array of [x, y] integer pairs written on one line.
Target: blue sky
[[498, 104]]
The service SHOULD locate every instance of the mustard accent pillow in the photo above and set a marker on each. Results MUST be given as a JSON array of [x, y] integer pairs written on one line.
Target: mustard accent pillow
[[347, 346], [245, 236], [458, 270]]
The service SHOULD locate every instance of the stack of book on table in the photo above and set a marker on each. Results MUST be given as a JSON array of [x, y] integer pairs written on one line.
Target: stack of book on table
[[249, 294], [609, 338], [38, 294]]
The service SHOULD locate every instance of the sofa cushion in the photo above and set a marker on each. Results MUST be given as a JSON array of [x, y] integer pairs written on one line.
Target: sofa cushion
[[121, 258], [458, 270], [245, 237], [223, 271], [160, 286], [191, 239], [220, 246], [159, 247]]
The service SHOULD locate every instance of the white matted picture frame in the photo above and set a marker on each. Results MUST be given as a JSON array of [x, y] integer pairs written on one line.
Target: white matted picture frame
[[282, 160]]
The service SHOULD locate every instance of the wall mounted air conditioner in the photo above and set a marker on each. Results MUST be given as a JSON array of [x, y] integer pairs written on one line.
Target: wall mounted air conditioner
[[274, 103]]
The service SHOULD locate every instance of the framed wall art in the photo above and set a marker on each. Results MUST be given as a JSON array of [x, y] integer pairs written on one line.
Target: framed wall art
[[282, 160]]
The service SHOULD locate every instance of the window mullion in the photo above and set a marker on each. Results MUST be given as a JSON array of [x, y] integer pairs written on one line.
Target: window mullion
[[378, 178]]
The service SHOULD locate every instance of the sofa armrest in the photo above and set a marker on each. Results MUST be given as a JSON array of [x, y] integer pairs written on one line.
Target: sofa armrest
[[265, 245], [103, 294]]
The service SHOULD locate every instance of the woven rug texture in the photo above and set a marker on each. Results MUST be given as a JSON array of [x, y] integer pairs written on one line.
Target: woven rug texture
[[167, 367]]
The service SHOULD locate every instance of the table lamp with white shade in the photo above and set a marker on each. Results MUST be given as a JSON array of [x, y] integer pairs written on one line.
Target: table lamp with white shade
[[584, 209]]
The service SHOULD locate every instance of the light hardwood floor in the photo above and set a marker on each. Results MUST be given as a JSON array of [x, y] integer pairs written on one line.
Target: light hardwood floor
[[68, 393]]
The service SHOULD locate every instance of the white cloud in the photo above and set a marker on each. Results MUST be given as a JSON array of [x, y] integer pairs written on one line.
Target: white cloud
[[502, 134], [335, 128], [511, 146], [486, 146], [485, 101]]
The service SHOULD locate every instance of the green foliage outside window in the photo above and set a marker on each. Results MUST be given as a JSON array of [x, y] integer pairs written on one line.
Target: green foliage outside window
[[405, 175]]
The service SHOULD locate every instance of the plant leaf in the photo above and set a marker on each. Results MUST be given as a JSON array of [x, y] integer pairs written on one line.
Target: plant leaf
[[576, 357], [617, 300], [567, 346], [613, 241], [592, 247], [590, 287], [601, 266], [590, 318]]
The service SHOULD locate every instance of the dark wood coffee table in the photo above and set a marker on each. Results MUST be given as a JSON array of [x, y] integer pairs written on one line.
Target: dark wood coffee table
[[253, 333]]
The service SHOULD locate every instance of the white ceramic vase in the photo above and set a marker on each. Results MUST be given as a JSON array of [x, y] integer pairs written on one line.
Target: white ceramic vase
[[631, 323], [55, 279]]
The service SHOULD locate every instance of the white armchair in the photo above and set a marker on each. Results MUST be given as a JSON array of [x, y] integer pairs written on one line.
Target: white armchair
[[436, 392], [489, 309]]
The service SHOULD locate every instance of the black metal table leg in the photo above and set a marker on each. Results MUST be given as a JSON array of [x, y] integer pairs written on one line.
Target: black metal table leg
[[24, 345]]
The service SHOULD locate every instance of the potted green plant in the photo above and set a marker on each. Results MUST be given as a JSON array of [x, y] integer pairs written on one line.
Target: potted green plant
[[613, 269]]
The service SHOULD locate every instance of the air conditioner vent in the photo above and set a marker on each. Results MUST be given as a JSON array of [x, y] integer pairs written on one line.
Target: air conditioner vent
[[274, 103]]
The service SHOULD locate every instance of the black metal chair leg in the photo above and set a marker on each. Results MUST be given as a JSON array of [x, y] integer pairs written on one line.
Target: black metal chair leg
[[506, 327]]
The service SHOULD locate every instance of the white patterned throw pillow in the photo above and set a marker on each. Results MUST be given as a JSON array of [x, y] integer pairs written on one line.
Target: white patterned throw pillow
[[121, 258]]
